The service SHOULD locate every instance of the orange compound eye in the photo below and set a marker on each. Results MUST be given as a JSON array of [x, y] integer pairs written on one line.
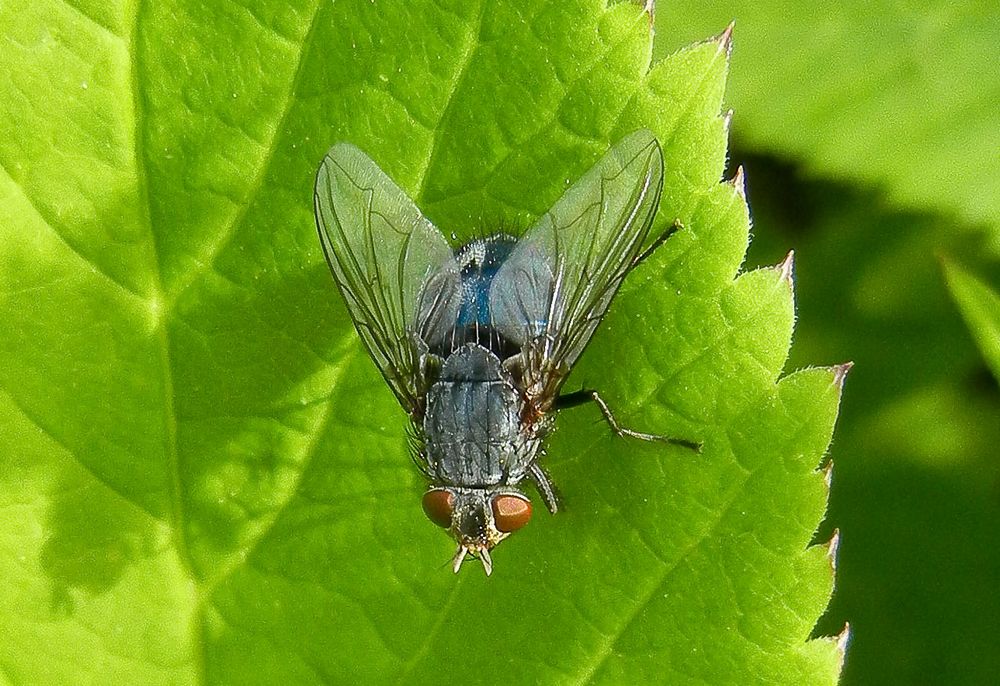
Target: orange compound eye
[[511, 512], [438, 506]]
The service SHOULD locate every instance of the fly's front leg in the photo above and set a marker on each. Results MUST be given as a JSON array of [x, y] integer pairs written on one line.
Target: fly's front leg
[[545, 487], [585, 396]]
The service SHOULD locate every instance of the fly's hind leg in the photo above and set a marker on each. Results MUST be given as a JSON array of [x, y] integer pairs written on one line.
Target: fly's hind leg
[[667, 233], [585, 396]]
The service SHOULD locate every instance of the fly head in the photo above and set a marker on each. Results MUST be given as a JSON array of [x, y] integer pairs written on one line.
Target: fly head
[[478, 518]]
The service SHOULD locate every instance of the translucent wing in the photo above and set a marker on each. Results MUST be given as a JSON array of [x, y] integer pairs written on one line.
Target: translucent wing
[[394, 269], [554, 288]]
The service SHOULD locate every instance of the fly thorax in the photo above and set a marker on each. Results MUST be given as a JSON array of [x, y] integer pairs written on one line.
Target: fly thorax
[[478, 262]]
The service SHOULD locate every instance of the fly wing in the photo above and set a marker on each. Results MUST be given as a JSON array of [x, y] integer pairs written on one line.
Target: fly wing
[[552, 291], [394, 269]]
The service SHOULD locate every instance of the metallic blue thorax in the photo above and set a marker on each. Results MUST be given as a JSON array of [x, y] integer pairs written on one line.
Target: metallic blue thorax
[[480, 260]]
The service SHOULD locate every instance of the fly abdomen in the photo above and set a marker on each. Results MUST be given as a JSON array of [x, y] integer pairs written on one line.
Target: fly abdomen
[[472, 424]]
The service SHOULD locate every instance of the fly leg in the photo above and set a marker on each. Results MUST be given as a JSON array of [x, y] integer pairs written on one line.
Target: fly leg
[[545, 487], [585, 396], [667, 233]]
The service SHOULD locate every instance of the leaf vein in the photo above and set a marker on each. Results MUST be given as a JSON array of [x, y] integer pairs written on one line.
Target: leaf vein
[[553, 121], [305, 458], [206, 260], [34, 419], [468, 53], [605, 651], [92, 20], [443, 614], [50, 222]]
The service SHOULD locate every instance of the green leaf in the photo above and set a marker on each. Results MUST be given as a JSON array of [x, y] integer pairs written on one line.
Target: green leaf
[[888, 94], [980, 306], [205, 479]]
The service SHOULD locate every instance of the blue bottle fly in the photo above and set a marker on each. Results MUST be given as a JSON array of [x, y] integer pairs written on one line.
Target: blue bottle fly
[[476, 342]]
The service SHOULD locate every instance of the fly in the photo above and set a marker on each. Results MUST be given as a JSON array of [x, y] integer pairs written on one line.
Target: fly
[[477, 342]]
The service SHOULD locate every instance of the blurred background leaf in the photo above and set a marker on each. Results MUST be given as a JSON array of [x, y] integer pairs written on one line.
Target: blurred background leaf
[[869, 139], [900, 96], [980, 305]]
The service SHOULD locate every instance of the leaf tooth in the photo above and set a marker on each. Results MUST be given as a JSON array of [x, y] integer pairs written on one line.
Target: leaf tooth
[[843, 642], [727, 120], [828, 475], [833, 548], [725, 40], [649, 7], [739, 183], [786, 269], [840, 373]]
